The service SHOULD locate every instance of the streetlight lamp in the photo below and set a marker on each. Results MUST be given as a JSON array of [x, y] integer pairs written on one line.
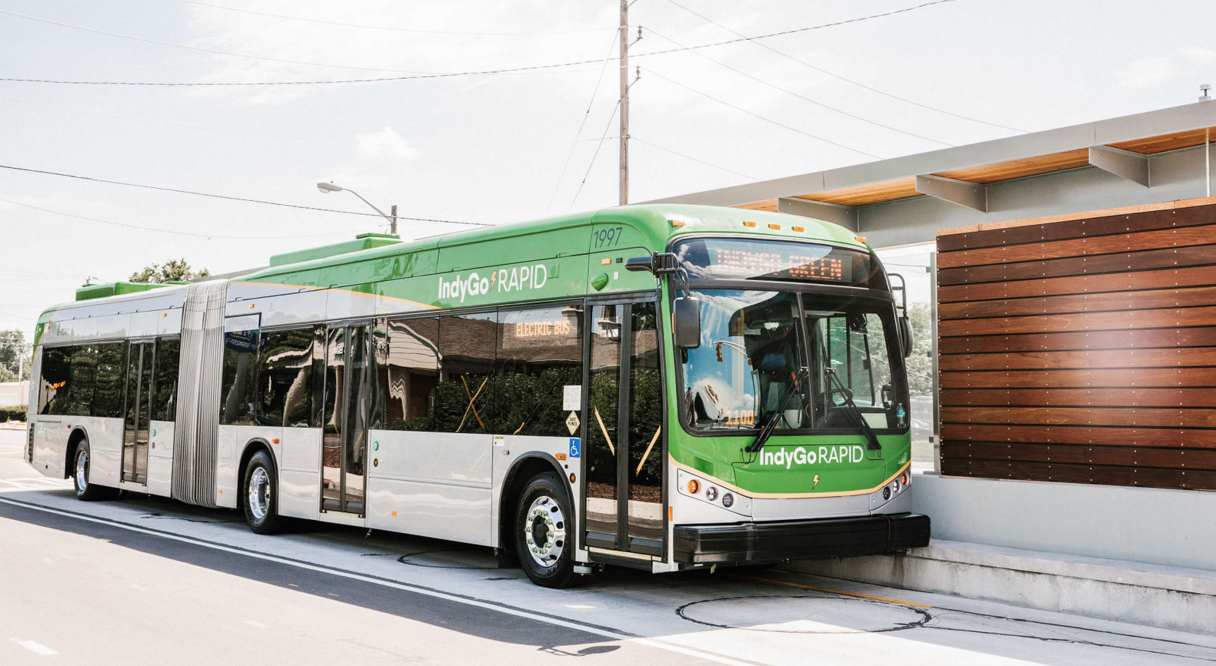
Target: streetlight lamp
[[326, 188]]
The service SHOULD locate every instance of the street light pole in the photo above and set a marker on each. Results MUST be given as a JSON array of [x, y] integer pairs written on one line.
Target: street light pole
[[326, 188]]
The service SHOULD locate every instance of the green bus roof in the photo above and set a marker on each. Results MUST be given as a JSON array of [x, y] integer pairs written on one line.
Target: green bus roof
[[542, 239]]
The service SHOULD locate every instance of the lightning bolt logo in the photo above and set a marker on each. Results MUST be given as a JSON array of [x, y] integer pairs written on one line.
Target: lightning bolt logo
[[816, 482]]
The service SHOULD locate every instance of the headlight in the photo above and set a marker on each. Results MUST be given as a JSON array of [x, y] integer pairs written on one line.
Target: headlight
[[728, 500], [711, 493]]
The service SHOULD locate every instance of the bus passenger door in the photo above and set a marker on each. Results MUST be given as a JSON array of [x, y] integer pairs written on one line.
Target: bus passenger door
[[137, 411], [624, 456], [344, 427]]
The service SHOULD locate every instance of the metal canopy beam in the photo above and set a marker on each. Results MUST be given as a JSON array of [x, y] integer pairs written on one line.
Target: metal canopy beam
[[1122, 163], [961, 192], [845, 216]]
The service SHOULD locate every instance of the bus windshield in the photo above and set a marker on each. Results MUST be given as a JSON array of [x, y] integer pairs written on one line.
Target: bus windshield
[[754, 343]]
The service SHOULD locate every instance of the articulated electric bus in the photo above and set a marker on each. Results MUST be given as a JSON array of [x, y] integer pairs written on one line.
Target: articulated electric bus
[[662, 387]]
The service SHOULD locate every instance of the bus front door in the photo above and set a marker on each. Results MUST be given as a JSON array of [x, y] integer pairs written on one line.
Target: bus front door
[[347, 407], [624, 455], [138, 408]]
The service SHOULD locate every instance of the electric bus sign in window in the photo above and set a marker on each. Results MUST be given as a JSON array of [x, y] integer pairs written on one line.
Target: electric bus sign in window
[[747, 259]]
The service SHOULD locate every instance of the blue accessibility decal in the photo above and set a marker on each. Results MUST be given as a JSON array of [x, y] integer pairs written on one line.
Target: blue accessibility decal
[[574, 447]]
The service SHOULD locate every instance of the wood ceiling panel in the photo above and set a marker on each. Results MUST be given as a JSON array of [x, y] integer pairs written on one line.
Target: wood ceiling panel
[[863, 195], [1031, 166], [1160, 144], [770, 205]]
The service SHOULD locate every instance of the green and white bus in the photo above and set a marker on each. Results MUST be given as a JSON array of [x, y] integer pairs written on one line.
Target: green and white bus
[[661, 387]]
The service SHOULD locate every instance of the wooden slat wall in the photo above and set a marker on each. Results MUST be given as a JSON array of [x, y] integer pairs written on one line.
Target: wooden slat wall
[[1081, 351]]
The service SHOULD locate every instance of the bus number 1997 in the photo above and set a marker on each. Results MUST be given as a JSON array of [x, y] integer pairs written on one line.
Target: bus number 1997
[[606, 238]]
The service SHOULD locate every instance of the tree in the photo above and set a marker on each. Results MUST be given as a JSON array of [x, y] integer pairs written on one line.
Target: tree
[[920, 363], [174, 270], [14, 356]]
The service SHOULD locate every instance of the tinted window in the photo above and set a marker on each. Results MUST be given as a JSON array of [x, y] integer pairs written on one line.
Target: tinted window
[[463, 395], [238, 386], [285, 360], [540, 353], [409, 374], [164, 399], [107, 392], [83, 378], [53, 385]]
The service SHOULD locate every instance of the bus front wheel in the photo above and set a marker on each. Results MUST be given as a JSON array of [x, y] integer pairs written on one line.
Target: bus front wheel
[[543, 532]]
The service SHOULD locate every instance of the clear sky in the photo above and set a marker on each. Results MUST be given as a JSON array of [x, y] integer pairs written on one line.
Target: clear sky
[[507, 147]]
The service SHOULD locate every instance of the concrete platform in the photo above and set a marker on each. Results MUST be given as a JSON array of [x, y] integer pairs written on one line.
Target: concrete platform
[[1159, 596]]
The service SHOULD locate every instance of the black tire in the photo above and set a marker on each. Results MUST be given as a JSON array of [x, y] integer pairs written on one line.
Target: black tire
[[82, 460], [260, 495], [544, 516]]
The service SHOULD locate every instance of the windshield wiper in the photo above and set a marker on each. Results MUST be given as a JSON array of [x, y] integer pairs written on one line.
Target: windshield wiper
[[872, 443], [771, 425]]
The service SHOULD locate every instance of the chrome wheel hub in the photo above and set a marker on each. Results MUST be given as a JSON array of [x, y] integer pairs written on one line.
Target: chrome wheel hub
[[545, 531], [82, 469], [259, 494]]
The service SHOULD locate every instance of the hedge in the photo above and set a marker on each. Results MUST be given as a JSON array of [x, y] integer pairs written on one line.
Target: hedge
[[16, 413]]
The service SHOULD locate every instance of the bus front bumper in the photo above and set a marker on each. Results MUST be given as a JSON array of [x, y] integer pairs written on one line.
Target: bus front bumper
[[755, 543]]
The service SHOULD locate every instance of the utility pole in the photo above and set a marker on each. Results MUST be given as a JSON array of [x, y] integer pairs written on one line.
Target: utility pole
[[393, 227], [624, 160]]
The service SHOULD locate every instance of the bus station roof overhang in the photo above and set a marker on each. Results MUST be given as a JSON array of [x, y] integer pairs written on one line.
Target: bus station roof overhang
[[1141, 159]]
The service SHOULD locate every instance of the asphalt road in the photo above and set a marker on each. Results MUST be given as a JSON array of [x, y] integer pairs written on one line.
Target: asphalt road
[[144, 580]]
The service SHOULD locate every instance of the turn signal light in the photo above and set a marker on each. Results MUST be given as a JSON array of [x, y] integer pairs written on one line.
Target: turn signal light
[[904, 478], [749, 223], [694, 486]]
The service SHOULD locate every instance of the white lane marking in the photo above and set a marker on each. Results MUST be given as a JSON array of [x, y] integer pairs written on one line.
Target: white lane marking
[[35, 647], [508, 610]]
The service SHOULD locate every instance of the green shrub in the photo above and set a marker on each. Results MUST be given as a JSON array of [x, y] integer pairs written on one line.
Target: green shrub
[[16, 413]]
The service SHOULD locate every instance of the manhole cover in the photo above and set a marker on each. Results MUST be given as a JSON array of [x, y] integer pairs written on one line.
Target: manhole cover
[[804, 614], [449, 558]]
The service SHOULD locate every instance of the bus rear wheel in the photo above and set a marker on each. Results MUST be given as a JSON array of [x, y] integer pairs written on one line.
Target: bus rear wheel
[[543, 531], [85, 490], [260, 499]]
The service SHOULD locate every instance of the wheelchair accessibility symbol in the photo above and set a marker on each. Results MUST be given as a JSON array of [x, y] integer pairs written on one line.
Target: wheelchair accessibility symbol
[[574, 447]]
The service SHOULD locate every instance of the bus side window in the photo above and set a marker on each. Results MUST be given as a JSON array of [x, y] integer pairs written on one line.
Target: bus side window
[[540, 353], [53, 384], [237, 388], [409, 374], [285, 366], [464, 396], [107, 392], [83, 380], [164, 398]]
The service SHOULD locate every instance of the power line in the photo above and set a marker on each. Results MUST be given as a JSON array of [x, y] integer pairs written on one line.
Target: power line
[[586, 114], [804, 97], [484, 72], [232, 198], [596, 154], [841, 77], [174, 232], [395, 29], [634, 137], [767, 120]]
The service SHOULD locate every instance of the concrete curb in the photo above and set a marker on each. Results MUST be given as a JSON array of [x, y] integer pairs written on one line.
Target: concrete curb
[[1166, 597]]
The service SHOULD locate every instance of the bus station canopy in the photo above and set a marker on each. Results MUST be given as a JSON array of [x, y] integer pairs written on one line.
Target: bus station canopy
[[1132, 160]]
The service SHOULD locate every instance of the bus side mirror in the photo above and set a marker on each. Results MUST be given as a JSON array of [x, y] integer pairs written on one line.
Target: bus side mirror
[[687, 317], [905, 335]]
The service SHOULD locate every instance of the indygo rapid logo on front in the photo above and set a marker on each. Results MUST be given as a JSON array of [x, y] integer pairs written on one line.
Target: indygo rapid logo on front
[[502, 280], [843, 453]]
